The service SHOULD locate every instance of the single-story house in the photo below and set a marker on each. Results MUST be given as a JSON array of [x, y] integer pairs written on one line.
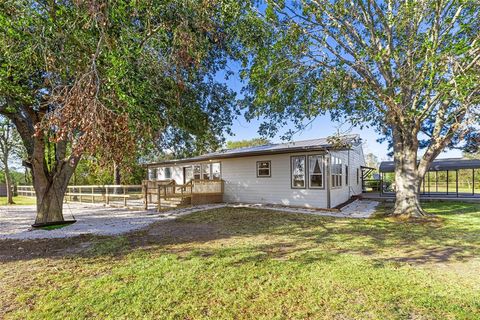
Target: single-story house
[[318, 173]]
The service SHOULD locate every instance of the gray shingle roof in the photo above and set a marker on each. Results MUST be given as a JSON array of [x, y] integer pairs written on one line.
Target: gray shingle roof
[[439, 164], [272, 148]]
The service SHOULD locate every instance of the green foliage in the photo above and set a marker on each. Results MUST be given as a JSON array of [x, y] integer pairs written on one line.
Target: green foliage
[[247, 143], [153, 62], [17, 177], [90, 172], [408, 65]]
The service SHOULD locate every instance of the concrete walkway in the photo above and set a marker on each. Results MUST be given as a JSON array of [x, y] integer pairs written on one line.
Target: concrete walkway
[[15, 221]]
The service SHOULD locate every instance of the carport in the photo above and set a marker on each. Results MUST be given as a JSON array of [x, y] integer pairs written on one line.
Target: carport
[[446, 177]]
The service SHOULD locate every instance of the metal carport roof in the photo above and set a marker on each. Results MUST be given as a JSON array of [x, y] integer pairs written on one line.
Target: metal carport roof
[[439, 164]]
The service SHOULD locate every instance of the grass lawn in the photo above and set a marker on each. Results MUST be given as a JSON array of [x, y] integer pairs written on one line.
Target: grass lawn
[[236, 263], [20, 200]]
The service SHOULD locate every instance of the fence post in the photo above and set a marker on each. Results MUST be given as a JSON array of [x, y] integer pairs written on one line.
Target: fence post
[[93, 196], [145, 195], [124, 197], [158, 198], [80, 192], [107, 200]]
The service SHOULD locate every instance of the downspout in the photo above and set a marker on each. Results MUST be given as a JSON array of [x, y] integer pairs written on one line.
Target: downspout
[[327, 169]]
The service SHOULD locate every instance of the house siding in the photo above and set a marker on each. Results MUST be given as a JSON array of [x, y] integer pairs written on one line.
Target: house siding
[[243, 185]]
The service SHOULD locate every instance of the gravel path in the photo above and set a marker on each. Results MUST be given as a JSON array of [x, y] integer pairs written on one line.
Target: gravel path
[[15, 221]]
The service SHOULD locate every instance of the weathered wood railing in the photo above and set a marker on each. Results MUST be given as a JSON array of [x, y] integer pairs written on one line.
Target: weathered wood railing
[[109, 194], [150, 192], [196, 191]]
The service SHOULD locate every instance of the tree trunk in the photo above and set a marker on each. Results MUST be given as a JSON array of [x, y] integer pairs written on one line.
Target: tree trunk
[[8, 182], [50, 180], [116, 174], [407, 176], [50, 185], [49, 202]]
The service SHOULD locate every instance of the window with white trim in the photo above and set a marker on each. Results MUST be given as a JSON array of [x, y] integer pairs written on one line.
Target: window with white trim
[[315, 171], [197, 172], [152, 174], [264, 169], [168, 173], [216, 171], [336, 172], [206, 171], [298, 171]]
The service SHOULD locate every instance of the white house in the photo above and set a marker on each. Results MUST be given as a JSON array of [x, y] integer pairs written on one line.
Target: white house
[[314, 173]]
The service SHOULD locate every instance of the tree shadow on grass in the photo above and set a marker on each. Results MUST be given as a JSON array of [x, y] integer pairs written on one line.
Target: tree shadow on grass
[[250, 235]]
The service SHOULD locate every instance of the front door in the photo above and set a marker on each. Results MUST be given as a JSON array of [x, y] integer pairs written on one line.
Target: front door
[[187, 174]]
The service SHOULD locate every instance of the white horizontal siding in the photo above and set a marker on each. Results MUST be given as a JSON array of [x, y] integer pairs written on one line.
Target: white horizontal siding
[[243, 185]]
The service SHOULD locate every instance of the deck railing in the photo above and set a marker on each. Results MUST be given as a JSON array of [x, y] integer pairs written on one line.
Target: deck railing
[[195, 191]]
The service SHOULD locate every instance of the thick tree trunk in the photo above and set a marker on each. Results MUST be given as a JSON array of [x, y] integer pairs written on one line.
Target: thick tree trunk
[[50, 184], [407, 176], [49, 202]]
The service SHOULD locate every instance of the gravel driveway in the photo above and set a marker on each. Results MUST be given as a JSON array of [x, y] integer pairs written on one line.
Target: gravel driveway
[[15, 221]]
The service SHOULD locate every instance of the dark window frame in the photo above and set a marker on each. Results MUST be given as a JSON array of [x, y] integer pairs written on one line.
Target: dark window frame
[[269, 169]]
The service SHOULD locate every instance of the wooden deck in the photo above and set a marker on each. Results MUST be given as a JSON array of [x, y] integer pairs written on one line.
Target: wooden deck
[[166, 193]]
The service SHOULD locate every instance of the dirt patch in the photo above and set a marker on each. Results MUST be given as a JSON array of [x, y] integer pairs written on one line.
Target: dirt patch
[[11, 250], [160, 233]]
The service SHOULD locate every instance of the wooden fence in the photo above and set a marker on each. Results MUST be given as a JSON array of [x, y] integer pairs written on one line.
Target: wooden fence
[[156, 193], [122, 195]]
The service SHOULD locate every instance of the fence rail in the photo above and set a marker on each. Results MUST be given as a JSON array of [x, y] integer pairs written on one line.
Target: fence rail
[[125, 195], [149, 193]]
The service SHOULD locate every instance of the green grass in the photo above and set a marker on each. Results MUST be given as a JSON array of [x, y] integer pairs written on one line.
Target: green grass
[[20, 200], [258, 264]]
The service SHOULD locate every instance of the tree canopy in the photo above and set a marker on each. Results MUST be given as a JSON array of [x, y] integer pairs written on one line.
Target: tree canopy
[[247, 143], [105, 78], [407, 68]]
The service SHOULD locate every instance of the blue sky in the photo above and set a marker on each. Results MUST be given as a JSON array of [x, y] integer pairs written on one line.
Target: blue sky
[[323, 127], [320, 127]]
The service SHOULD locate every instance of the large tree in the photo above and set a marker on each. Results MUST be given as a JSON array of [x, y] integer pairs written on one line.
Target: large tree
[[408, 68], [103, 78]]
